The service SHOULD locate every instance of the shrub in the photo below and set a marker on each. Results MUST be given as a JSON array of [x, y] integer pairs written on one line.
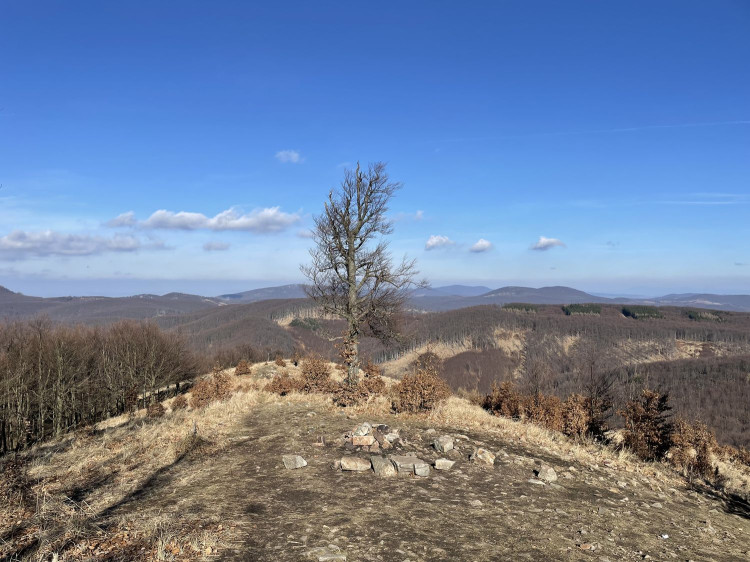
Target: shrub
[[211, 389], [505, 401], [372, 382], [155, 410], [283, 384], [546, 411], [575, 416], [691, 448], [420, 391], [647, 428], [316, 375], [179, 402], [520, 307], [15, 485], [280, 361], [242, 368], [347, 395]]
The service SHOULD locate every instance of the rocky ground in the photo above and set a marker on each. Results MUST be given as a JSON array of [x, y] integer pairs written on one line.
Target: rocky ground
[[525, 503]]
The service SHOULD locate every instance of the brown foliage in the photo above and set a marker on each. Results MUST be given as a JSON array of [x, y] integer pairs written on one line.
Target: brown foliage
[[575, 416], [179, 403], [279, 361], [155, 410], [15, 485], [647, 429], [211, 389], [242, 368], [420, 390], [283, 384], [691, 448], [316, 375]]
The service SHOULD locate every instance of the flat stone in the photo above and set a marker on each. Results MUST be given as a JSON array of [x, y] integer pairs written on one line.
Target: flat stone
[[382, 466], [363, 429], [405, 463], [444, 464], [363, 440], [546, 473], [421, 468], [293, 461], [535, 481], [483, 455], [443, 444], [391, 437], [355, 464], [431, 431]]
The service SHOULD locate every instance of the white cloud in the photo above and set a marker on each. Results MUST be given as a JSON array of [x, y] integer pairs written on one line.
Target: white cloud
[[437, 241], [216, 246], [289, 157], [544, 244], [125, 219], [306, 233], [481, 245], [419, 215], [270, 219], [20, 244]]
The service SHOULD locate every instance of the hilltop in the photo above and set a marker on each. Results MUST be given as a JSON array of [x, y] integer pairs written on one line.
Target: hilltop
[[202, 483]]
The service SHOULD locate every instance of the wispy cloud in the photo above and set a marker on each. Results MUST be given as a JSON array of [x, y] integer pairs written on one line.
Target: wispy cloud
[[123, 220], [740, 264], [481, 245], [289, 157], [215, 246], [416, 216], [305, 233], [544, 244], [20, 244], [270, 219], [437, 241]]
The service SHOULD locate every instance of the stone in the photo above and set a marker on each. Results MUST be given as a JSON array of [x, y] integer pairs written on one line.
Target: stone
[[421, 468], [546, 473], [406, 463], [383, 466], [363, 440], [391, 437], [475, 503], [443, 444], [363, 429], [383, 428], [483, 455], [444, 464], [431, 431], [355, 464], [293, 461]]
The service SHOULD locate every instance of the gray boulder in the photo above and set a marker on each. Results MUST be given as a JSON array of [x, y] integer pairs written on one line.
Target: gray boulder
[[293, 461]]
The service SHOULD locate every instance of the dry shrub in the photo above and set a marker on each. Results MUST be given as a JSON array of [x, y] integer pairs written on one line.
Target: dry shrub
[[546, 411], [505, 401], [575, 416], [179, 402], [729, 453], [15, 486], [279, 361], [155, 410], [283, 384], [691, 448], [647, 428], [211, 389], [420, 391], [242, 368], [347, 395], [316, 375], [372, 381]]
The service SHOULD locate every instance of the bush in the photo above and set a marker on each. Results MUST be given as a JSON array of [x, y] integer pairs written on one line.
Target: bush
[[279, 361], [505, 401], [575, 415], [546, 411], [242, 368], [641, 312], [420, 391], [283, 384], [647, 429], [179, 403], [316, 375], [155, 410], [15, 485], [691, 448], [211, 389], [571, 309], [372, 382]]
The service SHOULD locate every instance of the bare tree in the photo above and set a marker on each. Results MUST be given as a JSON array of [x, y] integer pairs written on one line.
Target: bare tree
[[352, 274]]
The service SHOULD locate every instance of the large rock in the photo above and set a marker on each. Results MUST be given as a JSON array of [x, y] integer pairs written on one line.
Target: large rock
[[355, 464], [293, 461], [444, 464], [363, 429], [382, 466], [421, 468], [546, 473], [410, 465], [363, 440], [444, 443], [483, 456]]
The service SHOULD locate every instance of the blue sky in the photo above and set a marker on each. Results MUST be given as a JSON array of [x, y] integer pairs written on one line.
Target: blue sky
[[603, 145]]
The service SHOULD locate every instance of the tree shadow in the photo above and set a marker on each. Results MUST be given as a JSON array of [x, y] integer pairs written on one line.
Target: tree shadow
[[733, 504]]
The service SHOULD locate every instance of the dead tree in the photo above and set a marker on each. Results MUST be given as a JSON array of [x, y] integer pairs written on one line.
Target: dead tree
[[352, 274]]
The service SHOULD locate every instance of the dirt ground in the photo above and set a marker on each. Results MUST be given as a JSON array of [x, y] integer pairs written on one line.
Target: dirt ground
[[471, 512]]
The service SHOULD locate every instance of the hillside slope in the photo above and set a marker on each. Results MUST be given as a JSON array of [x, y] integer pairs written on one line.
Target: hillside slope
[[201, 484]]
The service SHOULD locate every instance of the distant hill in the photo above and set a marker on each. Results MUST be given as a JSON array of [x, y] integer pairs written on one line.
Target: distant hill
[[451, 291], [266, 293], [740, 303]]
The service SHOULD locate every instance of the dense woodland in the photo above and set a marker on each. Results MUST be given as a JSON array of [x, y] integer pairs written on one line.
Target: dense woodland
[[55, 378]]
